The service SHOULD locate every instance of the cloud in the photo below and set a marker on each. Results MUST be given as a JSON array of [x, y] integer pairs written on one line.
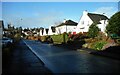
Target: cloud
[[109, 11]]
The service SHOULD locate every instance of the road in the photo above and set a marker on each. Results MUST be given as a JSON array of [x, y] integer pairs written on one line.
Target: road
[[61, 60], [22, 61]]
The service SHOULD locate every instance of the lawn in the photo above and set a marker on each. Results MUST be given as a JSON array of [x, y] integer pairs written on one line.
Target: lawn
[[61, 38]]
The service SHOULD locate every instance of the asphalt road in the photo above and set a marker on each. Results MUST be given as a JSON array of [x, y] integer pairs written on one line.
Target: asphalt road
[[23, 61], [61, 60]]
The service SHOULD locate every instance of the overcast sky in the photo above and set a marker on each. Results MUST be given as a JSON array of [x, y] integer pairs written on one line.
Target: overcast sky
[[45, 14]]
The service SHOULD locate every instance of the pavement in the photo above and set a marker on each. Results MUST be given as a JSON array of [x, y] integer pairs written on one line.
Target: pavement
[[23, 61]]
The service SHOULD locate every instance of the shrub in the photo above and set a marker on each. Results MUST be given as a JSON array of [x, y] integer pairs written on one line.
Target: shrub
[[93, 30], [90, 40], [17, 37], [114, 24], [43, 38], [85, 45], [99, 45], [118, 41]]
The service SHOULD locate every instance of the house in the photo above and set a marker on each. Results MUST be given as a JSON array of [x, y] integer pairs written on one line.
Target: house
[[52, 30], [88, 18], [67, 26], [41, 31], [45, 31]]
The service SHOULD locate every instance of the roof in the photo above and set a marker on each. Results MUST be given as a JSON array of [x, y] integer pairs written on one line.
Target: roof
[[69, 23], [41, 28], [97, 17]]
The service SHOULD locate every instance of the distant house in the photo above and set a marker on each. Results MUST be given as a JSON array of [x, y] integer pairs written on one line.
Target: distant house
[[45, 31], [41, 31], [52, 30], [88, 18], [67, 26]]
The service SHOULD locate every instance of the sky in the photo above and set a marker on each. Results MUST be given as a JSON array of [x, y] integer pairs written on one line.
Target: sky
[[60, 0], [45, 14], [119, 5]]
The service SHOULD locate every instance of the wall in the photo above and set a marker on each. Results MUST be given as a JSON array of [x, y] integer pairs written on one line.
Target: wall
[[65, 28], [84, 22], [50, 32], [103, 25]]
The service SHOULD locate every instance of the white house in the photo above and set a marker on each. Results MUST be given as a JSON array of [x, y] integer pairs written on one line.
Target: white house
[[67, 26], [45, 31], [52, 30], [41, 31], [88, 18]]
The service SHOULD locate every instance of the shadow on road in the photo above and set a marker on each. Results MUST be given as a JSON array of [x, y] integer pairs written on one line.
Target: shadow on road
[[22, 61]]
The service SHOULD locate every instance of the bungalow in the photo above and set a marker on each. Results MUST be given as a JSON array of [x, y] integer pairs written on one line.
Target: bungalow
[[88, 18], [45, 31], [67, 26], [41, 31], [52, 30]]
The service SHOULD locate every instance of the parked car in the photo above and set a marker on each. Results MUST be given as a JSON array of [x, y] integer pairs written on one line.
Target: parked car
[[6, 42]]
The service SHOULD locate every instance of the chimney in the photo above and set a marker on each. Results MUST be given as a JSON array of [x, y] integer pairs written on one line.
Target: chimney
[[64, 20], [85, 12]]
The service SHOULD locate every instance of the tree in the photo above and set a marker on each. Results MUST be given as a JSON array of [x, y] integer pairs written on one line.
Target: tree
[[114, 24], [93, 30]]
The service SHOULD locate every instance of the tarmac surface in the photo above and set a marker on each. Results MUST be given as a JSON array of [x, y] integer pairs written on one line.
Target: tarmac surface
[[63, 60], [23, 61]]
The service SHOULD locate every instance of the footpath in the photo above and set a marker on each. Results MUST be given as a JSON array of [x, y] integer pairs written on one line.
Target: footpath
[[23, 61]]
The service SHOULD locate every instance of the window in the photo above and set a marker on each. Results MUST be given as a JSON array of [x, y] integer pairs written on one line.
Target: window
[[82, 28]]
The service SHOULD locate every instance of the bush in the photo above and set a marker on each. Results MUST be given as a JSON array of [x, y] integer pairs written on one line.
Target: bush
[[114, 24], [85, 45], [90, 40], [17, 37], [43, 38], [118, 41], [93, 30], [99, 45], [76, 37]]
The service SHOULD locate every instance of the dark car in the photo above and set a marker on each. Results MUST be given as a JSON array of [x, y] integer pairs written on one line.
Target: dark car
[[6, 42]]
